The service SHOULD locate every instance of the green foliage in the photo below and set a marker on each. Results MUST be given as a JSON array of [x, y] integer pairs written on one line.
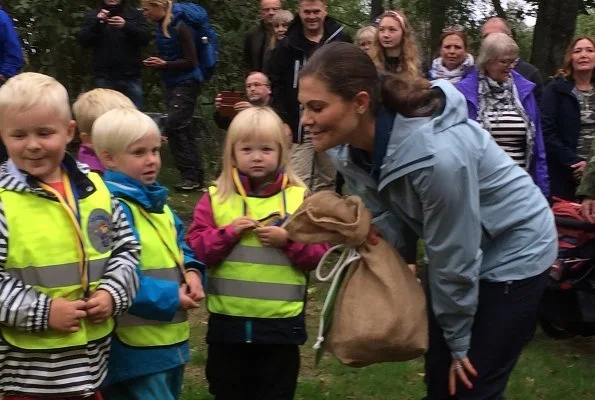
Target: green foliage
[[585, 25]]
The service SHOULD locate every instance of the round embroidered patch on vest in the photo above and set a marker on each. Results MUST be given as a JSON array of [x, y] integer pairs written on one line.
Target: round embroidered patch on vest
[[98, 230]]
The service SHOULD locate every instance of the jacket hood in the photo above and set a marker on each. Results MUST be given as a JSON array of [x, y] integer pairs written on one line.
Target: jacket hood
[[295, 32], [411, 145], [151, 197]]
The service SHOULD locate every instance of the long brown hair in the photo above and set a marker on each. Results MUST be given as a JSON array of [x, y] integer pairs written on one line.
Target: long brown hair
[[566, 70], [347, 71], [410, 65]]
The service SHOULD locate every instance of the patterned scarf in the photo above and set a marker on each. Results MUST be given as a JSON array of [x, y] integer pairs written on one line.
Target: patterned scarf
[[439, 71], [500, 97]]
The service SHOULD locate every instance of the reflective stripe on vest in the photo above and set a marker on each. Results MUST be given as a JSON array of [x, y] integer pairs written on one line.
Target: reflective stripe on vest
[[155, 262], [42, 252], [255, 281]]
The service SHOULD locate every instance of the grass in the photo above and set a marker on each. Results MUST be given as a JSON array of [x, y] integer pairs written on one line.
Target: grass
[[547, 369]]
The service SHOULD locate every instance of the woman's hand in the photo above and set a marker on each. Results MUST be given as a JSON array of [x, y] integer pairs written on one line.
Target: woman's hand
[[588, 210], [459, 369], [154, 62], [578, 170]]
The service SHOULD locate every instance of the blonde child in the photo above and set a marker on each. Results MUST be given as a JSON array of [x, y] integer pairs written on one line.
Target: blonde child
[[67, 256], [280, 23], [257, 276], [87, 108], [366, 38], [150, 347]]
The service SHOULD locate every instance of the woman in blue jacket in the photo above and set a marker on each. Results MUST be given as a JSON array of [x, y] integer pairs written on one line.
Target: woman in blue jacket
[[182, 76], [410, 152], [502, 101]]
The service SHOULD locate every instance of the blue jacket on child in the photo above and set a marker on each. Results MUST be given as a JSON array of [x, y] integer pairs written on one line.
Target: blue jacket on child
[[156, 299]]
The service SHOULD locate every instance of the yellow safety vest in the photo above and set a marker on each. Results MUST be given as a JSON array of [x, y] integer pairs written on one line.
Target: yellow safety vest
[[158, 262], [255, 281], [42, 252]]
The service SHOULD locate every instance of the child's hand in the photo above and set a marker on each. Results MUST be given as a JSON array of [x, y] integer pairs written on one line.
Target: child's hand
[[272, 236], [195, 290], [186, 302], [65, 315], [100, 306], [242, 224]]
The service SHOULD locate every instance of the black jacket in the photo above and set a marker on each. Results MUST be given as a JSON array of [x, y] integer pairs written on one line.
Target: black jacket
[[530, 72], [255, 54], [289, 57], [116, 51], [561, 126]]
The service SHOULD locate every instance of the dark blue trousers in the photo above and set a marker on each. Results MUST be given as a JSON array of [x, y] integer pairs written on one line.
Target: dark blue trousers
[[504, 322]]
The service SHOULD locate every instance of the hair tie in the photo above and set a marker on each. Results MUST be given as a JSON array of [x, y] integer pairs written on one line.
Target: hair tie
[[397, 16]]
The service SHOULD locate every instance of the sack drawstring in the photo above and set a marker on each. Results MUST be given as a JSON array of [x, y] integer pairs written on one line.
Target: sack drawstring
[[348, 255]]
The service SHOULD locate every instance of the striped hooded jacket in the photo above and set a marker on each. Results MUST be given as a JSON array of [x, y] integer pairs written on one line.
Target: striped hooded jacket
[[65, 372]]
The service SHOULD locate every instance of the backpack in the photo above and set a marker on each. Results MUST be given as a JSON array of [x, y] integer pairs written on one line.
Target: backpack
[[197, 18]]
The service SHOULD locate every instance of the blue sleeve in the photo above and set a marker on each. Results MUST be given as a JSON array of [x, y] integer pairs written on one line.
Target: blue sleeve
[[190, 261], [11, 59], [156, 299], [449, 196]]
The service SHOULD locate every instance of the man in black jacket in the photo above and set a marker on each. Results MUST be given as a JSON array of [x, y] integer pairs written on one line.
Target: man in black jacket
[[313, 29], [117, 34], [256, 41], [528, 71]]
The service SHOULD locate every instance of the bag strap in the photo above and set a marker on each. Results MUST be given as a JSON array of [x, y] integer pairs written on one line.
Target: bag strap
[[347, 257]]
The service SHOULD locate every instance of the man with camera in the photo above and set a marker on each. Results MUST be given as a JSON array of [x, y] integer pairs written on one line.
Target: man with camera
[[258, 93], [117, 33]]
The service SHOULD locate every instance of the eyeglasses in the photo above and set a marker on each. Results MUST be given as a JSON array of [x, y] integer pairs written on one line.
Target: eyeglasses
[[511, 62], [255, 85], [453, 28]]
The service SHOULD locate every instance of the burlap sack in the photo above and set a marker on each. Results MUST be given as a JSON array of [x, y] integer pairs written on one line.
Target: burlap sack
[[379, 313]]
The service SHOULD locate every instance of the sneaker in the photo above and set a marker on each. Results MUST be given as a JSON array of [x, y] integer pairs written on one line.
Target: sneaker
[[187, 186]]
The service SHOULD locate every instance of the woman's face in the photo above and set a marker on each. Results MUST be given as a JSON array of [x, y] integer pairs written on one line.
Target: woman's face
[[452, 51], [499, 68], [328, 118], [583, 56], [153, 12], [390, 33]]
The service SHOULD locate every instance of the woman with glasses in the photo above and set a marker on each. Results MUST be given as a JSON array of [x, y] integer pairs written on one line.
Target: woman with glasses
[[503, 103], [396, 50], [568, 115], [453, 61]]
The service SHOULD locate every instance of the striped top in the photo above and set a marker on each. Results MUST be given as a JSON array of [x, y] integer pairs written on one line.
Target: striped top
[[63, 372], [510, 132]]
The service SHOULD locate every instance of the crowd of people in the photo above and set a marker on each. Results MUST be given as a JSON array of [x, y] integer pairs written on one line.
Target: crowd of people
[[98, 272]]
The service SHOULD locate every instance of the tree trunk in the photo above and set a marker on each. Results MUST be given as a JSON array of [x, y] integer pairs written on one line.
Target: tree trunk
[[438, 13], [554, 29], [499, 10], [376, 9]]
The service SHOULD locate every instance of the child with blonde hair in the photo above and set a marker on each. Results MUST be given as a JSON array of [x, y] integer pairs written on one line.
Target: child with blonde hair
[[150, 345], [67, 256], [366, 38], [87, 108], [280, 23], [257, 276]]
